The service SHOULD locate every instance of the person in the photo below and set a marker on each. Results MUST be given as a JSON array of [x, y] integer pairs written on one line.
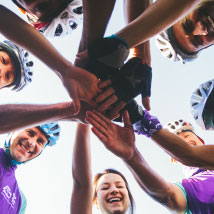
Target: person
[[16, 68], [189, 36], [111, 190], [79, 83], [192, 195], [20, 147], [55, 18]]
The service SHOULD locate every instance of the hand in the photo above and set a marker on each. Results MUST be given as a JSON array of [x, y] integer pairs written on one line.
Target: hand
[[117, 139], [80, 117], [81, 85], [108, 101]]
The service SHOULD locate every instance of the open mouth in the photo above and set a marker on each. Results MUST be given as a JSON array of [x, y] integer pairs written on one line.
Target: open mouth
[[115, 199], [25, 148]]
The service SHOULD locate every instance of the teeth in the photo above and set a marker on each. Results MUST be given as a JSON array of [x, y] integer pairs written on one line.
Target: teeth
[[26, 149], [114, 200], [211, 21]]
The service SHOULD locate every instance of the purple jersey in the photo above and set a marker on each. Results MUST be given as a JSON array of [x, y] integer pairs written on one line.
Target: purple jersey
[[200, 192], [10, 198]]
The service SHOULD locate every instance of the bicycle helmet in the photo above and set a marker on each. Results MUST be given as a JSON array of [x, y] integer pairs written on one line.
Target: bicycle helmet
[[64, 24], [168, 46], [202, 102], [50, 130], [23, 67], [178, 126]]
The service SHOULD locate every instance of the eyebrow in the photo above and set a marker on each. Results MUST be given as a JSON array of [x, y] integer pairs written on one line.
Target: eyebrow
[[117, 182]]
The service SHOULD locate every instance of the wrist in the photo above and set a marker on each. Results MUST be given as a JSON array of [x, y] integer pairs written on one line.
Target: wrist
[[134, 158], [65, 69]]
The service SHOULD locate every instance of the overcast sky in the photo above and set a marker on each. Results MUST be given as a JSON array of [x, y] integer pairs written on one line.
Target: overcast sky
[[47, 180]]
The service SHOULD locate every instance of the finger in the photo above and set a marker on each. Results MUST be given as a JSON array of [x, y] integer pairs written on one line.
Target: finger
[[95, 120], [101, 97], [103, 117], [146, 103], [100, 135], [76, 102], [126, 119], [104, 84], [82, 55], [104, 106], [115, 111], [116, 116]]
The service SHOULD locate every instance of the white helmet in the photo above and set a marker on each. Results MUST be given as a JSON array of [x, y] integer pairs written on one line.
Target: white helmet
[[64, 24], [22, 64], [178, 126], [201, 107], [168, 46]]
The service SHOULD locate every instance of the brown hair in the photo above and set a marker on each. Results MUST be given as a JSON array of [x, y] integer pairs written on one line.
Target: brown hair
[[107, 171]]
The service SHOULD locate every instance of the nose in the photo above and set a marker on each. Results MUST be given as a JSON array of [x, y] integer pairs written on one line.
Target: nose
[[200, 29], [114, 190], [32, 141]]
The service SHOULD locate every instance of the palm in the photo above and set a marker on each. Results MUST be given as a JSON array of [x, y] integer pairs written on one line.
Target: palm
[[121, 141], [117, 139]]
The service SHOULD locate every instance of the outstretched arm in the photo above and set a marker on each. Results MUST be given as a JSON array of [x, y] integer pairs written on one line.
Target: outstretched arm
[[79, 83], [175, 146], [179, 149], [19, 116], [81, 200], [120, 141], [159, 16]]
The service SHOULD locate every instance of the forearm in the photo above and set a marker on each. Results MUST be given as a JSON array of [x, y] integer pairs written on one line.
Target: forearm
[[180, 150], [153, 184], [133, 9], [24, 35], [159, 16], [96, 17], [18, 116], [81, 164], [81, 201]]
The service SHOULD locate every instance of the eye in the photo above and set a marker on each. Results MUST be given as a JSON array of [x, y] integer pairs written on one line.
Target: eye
[[104, 188], [41, 141], [120, 186], [31, 133], [7, 76], [3, 60]]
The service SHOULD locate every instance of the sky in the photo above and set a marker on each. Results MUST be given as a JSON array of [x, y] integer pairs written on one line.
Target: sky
[[47, 180]]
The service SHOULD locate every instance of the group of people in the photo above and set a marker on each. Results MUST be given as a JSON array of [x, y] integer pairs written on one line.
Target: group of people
[[102, 84]]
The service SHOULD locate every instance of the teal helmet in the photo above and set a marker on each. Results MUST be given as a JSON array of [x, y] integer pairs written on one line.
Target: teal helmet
[[50, 130]]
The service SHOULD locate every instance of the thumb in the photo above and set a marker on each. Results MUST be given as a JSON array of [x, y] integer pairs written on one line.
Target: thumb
[[126, 119], [146, 103], [82, 55], [76, 103]]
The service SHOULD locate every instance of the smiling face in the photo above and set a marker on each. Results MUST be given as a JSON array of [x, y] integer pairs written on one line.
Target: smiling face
[[190, 138], [112, 194], [196, 31], [27, 144], [44, 10], [7, 70]]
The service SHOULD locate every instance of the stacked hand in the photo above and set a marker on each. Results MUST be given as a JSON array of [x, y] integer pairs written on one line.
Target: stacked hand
[[117, 139], [81, 85]]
